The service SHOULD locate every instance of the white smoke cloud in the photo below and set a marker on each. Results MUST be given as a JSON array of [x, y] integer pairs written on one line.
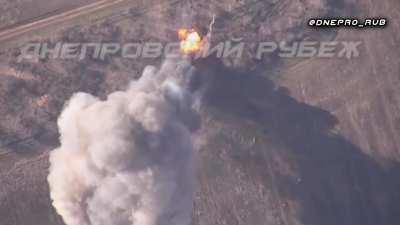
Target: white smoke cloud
[[127, 160]]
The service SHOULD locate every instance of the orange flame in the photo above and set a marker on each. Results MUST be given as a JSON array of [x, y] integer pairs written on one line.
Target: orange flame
[[191, 42]]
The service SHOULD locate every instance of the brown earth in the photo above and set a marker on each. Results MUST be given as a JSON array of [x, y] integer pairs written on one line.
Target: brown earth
[[313, 142], [17, 11]]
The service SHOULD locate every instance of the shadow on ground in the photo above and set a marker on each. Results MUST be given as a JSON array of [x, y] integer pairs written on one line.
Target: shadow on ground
[[339, 184]]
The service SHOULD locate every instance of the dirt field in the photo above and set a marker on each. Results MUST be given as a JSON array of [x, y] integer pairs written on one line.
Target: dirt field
[[22, 10], [308, 142]]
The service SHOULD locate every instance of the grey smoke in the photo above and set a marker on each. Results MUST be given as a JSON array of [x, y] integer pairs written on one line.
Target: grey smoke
[[128, 160]]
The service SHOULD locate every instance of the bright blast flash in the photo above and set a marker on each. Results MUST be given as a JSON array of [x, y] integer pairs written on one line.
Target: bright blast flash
[[191, 42]]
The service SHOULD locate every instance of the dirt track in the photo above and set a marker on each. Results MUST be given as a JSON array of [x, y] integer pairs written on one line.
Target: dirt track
[[15, 32]]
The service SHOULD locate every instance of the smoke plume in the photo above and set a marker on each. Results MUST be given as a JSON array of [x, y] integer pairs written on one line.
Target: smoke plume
[[128, 160]]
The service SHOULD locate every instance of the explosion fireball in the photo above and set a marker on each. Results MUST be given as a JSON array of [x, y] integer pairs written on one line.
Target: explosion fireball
[[191, 41]]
